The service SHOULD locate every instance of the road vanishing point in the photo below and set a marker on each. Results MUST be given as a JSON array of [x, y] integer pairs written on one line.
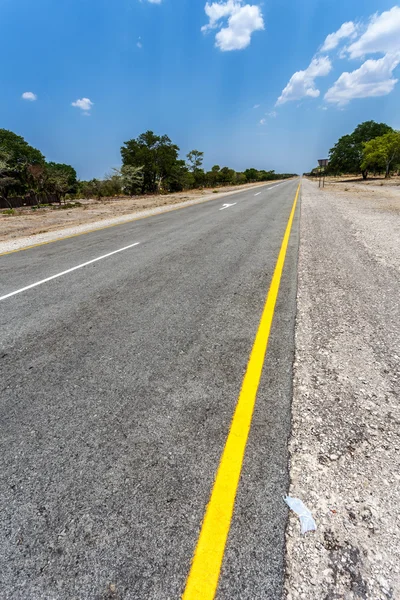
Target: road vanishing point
[[146, 385]]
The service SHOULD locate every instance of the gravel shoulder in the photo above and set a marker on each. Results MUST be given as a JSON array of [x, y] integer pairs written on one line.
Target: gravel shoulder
[[27, 227], [344, 449]]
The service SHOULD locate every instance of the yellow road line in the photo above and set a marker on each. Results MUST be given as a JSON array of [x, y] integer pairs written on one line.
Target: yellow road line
[[204, 574], [167, 210]]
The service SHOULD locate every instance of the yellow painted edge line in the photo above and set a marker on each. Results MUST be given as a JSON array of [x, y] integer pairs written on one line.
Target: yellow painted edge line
[[206, 565], [167, 210]]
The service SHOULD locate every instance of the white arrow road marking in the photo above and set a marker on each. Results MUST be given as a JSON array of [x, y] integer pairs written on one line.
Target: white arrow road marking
[[89, 262], [227, 206]]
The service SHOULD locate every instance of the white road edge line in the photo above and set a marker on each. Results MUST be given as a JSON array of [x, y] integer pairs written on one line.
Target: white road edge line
[[257, 194], [89, 262], [227, 206]]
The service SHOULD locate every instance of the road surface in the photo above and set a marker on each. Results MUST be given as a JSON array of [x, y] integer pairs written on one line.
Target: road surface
[[122, 355]]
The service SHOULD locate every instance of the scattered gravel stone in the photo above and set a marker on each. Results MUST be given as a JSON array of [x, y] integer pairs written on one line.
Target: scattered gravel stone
[[345, 462]]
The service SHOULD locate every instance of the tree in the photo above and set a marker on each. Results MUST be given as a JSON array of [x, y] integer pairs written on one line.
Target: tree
[[251, 175], [20, 155], [56, 179], [156, 154], [347, 154], [57, 184], [67, 171], [240, 178], [213, 177], [111, 185], [179, 178], [266, 175], [7, 179], [97, 187], [382, 151], [91, 189], [37, 180], [18, 150], [132, 179], [195, 160], [227, 175], [87, 189]]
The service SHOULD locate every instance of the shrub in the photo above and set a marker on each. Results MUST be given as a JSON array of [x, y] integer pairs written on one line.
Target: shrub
[[71, 205]]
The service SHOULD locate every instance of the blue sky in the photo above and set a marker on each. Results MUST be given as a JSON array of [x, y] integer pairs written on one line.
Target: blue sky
[[131, 65]]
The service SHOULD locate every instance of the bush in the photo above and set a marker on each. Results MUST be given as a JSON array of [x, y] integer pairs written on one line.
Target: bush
[[9, 211], [71, 205]]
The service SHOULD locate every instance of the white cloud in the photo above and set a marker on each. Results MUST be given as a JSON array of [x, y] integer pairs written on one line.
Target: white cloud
[[382, 35], [155, 1], [272, 114], [257, 106], [302, 83], [29, 96], [242, 21], [263, 122], [374, 78], [333, 39], [84, 104]]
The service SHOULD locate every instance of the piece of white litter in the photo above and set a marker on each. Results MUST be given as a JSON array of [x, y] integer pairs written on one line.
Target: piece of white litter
[[306, 520]]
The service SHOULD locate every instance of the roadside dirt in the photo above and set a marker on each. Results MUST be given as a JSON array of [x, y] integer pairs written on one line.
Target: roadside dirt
[[383, 195], [345, 443], [26, 222], [371, 181]]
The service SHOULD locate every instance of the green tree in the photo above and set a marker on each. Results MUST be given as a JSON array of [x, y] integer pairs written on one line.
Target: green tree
[[240, 178], [18, 150], [132, 179], [213, 177], [57, 184], [179, 178], [37, 181], [347, 154], [54, 179], [87, 189], [156, 154], [20, 155], [251, 175], [68, 173], [91, 189], [195, 160], [7, 176], [227, 175], [382, 151]]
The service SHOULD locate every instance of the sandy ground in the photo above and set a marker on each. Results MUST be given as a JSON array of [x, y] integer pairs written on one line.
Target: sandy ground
[[345, 445], [26, 222], [371, 181]]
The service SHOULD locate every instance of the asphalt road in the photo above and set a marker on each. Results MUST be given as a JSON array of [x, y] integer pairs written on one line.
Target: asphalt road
[[118, 385]]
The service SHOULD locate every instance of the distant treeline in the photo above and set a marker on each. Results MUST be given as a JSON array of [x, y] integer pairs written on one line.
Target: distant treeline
[[371, 148], [150, 165]]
